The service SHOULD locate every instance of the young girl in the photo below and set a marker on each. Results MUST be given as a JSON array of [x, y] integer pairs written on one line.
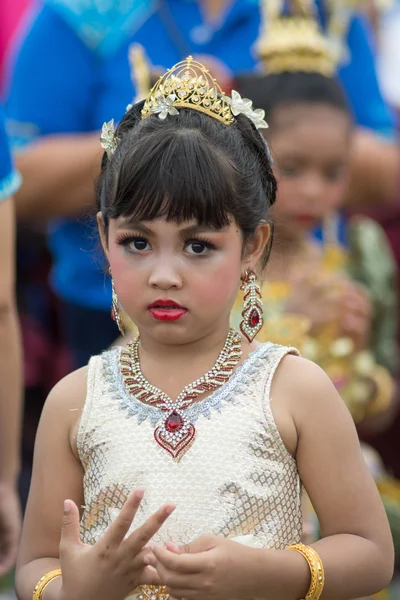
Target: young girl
[[192, 414]]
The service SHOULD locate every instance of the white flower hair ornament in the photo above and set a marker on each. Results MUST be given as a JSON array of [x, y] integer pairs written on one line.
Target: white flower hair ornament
[[108, 139], [244, 106]]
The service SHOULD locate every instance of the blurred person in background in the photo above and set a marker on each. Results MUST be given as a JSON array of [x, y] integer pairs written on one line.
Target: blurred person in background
[[58, 100], [10, 364]]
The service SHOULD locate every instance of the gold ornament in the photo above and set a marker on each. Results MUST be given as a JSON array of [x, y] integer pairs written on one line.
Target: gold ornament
[[296, 43], [140, 71], [115, 312], [44, 582], [188, 85], [316, 569], [252, 314]]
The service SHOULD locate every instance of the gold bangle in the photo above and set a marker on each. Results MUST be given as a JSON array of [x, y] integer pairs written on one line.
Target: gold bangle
[[44, 582], [316, 568]]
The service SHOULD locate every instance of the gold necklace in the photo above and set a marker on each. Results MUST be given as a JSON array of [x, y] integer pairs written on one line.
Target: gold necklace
[[176, 433]]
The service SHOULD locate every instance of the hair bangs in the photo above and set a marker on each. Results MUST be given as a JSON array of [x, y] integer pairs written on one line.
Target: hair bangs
[[180, 178]]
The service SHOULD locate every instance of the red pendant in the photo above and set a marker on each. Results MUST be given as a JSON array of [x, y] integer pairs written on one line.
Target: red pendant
[[176, 448], [174, 422], [254, 318]]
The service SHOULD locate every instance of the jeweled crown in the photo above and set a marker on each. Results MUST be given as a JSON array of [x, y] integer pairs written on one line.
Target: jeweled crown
[[188, 85], [295, 42]]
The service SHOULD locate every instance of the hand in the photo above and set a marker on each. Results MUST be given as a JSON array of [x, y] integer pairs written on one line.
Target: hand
[[210, 568], [332, 300], [114, 566], [357, 314], [10, 526]]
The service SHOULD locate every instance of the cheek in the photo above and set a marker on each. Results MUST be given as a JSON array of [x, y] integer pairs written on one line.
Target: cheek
[[286, 200], [219, 285], [125, 278]]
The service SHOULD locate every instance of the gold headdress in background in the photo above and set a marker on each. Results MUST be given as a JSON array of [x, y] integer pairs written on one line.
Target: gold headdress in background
[[141, 74], [294, 41]]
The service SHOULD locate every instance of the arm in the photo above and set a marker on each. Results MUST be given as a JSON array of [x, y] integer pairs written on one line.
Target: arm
[[375, 159], [10, 365], [58, 152], [106, 570], [57, 475], [10, 353], [356, 547], [10, 394], [374, 173], [58, 173]]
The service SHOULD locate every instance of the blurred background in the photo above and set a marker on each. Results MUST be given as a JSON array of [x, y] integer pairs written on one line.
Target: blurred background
[[65, 69]]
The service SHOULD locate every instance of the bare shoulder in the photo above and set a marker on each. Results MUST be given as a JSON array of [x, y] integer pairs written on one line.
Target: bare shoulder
[[305, 390], [69, 393], [63, 408]]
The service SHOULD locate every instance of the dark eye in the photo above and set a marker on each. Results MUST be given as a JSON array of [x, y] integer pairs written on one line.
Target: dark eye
[[334, 174], [198, 247], [289, 171], [139, 244]]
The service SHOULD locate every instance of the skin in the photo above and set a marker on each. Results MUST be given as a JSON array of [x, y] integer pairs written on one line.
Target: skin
[[312, 147], [314, 424], [10, 393]]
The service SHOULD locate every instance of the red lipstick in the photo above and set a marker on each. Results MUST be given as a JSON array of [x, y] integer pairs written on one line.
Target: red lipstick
[[166, 310]]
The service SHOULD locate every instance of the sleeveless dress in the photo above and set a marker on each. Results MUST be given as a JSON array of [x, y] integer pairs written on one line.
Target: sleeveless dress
[[237, 478]]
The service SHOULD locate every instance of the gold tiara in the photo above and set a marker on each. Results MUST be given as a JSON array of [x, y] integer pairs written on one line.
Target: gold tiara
[[188, 85], [294, 44]]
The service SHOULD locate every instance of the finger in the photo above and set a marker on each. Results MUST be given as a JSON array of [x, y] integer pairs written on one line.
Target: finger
[[181, 594], [70, 525], [178, 563], [172, 547], [150, 576], [120, 527], [142, 535]]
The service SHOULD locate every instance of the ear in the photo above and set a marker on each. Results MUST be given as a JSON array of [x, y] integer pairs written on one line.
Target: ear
[[102, 232], [255, 247]]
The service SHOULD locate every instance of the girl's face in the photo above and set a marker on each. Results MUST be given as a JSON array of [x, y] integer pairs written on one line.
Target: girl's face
[[178, 282], [310, 146]]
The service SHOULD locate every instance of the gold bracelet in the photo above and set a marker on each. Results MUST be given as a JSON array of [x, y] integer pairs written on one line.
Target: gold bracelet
[[44, 582], [316, 568]]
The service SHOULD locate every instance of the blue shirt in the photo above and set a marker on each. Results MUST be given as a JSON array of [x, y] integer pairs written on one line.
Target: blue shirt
[[65, 81], [9, 177]]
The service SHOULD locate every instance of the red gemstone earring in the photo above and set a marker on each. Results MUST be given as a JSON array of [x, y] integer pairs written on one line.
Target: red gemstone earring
[[252, 314]]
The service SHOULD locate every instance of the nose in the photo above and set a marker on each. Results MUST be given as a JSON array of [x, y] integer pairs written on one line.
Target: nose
[[165, 275], [312, 190]]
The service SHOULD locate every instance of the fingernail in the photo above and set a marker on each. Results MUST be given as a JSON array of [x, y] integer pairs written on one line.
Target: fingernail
[[67, 506], [170, 509], [139, 494]]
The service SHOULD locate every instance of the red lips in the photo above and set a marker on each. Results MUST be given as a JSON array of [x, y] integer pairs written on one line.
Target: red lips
[[165, 303], [166, 310]]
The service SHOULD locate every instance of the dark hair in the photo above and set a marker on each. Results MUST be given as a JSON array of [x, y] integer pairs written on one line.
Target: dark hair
[[274, 91], [188, 166]]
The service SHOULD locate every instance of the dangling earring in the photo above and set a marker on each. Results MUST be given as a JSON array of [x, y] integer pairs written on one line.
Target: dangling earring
[[115, 309], [252, 314]]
